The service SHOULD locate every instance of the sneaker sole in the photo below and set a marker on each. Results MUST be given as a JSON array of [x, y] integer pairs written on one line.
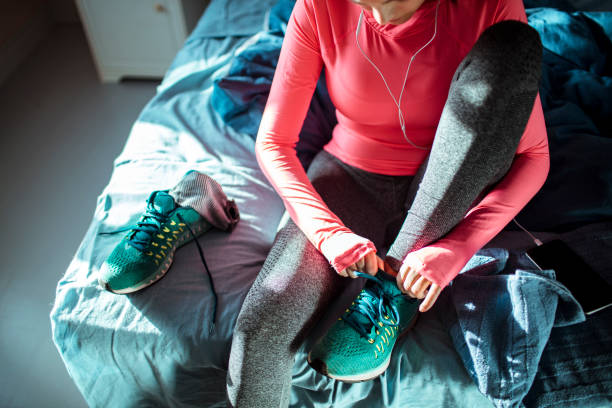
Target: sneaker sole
[[321, 367], [159, 273]]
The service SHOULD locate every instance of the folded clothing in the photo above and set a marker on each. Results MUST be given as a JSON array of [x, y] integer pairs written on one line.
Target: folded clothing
[[522, 336], [200, 192], [501, 312]]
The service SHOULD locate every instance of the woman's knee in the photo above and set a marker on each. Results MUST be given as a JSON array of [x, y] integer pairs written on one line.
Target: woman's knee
[[294, 276], [494, 89], [507, 55]]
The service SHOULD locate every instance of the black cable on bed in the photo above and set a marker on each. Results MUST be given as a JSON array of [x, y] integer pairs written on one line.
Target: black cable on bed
[[210, 280], [201, 251]]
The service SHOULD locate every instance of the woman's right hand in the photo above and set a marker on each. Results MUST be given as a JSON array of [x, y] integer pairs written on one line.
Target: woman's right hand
[[370, 263]]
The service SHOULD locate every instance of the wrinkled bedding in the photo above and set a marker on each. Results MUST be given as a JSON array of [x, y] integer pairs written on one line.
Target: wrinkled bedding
[[155, 347]]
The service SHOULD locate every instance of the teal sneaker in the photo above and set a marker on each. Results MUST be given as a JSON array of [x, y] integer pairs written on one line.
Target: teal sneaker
[[358, 346], [145, 254]]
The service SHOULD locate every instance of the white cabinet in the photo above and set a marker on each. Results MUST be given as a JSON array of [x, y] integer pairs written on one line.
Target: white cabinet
[[137, 38]]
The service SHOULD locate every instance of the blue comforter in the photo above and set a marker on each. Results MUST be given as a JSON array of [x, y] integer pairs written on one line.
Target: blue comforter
[[241, 95], [576, 92], [154, 348]]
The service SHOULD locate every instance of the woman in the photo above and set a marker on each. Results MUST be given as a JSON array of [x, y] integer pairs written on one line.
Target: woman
[[439, 144]]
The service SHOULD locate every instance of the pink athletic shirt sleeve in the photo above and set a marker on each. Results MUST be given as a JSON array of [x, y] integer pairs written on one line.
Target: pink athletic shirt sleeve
[[321, 35]]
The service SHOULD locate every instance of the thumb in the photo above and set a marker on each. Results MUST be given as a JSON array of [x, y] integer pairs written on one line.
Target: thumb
[[381, 263]]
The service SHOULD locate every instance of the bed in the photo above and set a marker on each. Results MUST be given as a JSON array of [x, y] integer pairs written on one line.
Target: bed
[[159, 346]]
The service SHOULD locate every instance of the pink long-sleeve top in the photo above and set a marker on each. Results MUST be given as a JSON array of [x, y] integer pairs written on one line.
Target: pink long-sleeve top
[[321, 35]]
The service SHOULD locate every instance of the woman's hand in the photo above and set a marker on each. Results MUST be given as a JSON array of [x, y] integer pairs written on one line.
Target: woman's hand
[[412, 283], [370, 263]]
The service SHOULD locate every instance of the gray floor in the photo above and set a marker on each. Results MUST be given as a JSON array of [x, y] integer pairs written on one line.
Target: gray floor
[[60, 130]]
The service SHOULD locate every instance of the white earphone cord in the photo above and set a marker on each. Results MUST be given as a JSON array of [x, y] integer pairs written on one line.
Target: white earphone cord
[[398, 102], [537, 241]]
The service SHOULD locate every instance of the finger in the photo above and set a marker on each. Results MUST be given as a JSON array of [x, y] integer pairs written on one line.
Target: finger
[[346, 271], [401, 276], [360, 264], [351, 271], [420, 286], [380, 265], [409, 277], [430, 299], [371, 264]]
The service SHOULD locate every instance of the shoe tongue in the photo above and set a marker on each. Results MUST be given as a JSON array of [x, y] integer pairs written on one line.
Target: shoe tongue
[[163, 202], [388, 283], [362, 318]]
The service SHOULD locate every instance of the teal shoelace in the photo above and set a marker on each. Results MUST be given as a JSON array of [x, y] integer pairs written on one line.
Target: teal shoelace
[[373, 305], [210, 279], [149, 224]]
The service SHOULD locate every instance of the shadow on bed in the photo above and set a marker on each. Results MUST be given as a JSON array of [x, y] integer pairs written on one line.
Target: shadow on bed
[[155, 347]]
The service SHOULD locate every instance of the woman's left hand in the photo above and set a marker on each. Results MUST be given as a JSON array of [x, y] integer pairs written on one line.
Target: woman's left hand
[[370, 263], [412, 283]]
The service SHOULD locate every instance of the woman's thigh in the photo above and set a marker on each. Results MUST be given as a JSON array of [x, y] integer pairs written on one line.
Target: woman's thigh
[[365, 202], [297, 283]]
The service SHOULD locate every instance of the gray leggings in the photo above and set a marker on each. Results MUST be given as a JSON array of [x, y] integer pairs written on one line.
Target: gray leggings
[[474, 146]]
